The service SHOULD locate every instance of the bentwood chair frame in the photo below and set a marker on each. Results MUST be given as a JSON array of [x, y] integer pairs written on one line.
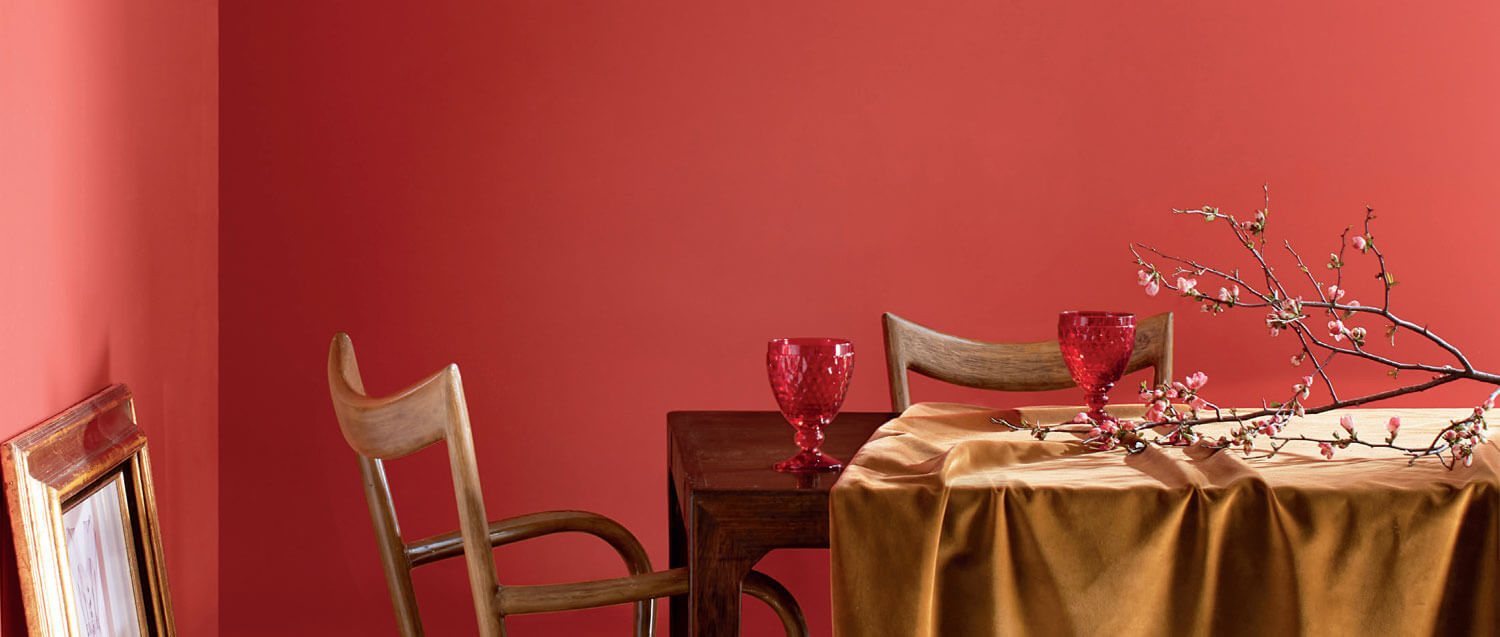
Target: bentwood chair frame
[[1036, 366], [434, 410]]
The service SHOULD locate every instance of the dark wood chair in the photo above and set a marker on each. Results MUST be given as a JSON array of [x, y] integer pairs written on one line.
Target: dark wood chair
[[1034, 366], [433, 410]]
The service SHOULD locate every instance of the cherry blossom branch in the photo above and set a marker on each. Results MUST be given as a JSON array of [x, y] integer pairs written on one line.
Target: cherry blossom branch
[[1168, 424]]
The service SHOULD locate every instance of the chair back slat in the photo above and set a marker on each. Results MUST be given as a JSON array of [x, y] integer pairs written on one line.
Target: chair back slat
[[394, 426], [1035, 366], [405, 422]]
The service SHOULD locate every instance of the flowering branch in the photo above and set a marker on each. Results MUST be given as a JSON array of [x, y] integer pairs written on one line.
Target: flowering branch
[[1168, 424]]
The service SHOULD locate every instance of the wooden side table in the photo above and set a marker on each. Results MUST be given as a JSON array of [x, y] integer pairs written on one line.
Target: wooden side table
[[726, 506]]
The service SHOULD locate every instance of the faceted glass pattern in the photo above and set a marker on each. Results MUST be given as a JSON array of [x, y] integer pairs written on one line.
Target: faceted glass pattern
[[1096, 347], [809, 377]]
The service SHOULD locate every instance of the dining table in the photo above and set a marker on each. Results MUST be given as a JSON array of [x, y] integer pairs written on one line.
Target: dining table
[[727, 508], [946, 522]]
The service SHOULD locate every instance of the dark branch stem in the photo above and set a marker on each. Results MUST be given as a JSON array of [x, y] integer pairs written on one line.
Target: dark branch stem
[[1352, 402]]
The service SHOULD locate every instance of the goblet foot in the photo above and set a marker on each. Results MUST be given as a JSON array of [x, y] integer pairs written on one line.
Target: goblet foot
[[810, 460]]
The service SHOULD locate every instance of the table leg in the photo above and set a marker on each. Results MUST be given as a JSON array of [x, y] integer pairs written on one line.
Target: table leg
[[717, 567], [677, 556]]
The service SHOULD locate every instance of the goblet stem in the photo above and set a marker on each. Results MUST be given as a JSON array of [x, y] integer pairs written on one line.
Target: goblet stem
[[811, 458], [811, 438], [1097, 398]]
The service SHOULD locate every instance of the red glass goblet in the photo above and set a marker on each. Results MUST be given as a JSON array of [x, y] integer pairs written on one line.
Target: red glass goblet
[[1096, 346], [809, 377]]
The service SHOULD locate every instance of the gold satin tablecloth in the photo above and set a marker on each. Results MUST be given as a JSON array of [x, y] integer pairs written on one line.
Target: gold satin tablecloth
[[944, 525]]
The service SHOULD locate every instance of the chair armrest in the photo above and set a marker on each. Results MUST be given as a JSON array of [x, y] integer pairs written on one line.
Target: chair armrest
[[640, 586], [525, 527], [547, 598], [762, 587]]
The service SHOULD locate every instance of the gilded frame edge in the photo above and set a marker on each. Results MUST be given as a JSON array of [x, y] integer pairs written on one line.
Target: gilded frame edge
[[52, 462]]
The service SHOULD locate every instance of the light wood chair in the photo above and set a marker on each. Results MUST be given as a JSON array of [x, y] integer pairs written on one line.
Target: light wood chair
[[1034, 366], [434, 410]]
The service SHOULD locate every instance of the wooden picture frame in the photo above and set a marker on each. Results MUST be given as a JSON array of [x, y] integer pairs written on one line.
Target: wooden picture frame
[[83, 513]]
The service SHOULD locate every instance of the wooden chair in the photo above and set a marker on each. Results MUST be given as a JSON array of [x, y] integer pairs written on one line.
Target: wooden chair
[[434, 410], [1003, 366]]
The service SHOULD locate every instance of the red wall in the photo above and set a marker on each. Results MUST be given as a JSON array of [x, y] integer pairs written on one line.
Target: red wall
[[109, 249], [602, 210]]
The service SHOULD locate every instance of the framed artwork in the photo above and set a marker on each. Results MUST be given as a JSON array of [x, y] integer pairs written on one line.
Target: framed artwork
[[83, 513]]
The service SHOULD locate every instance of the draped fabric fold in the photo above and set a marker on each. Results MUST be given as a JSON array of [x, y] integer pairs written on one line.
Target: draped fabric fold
[[943, 524]]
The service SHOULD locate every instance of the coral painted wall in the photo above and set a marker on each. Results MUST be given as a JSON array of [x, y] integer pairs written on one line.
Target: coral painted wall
[[600, 211], [109, 250]]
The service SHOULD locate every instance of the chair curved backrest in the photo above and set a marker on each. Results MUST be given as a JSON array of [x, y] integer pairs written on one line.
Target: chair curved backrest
[[412, 419], [1036, 366]]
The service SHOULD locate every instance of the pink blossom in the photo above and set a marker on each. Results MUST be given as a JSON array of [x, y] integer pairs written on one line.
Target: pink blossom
[[1147, 395], [1304, 388], [1393, 425], [1336, 330], [1335, 293], [1326, 449], [1351, 303], [1296, 361], [1358, 241], [1196, 402], [1347, 422], [1149, 281], [1196, 381], [1268, 427], [1081, 418], [1185, 286], [1488, 404], [1299, 410], [1156, 410]]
